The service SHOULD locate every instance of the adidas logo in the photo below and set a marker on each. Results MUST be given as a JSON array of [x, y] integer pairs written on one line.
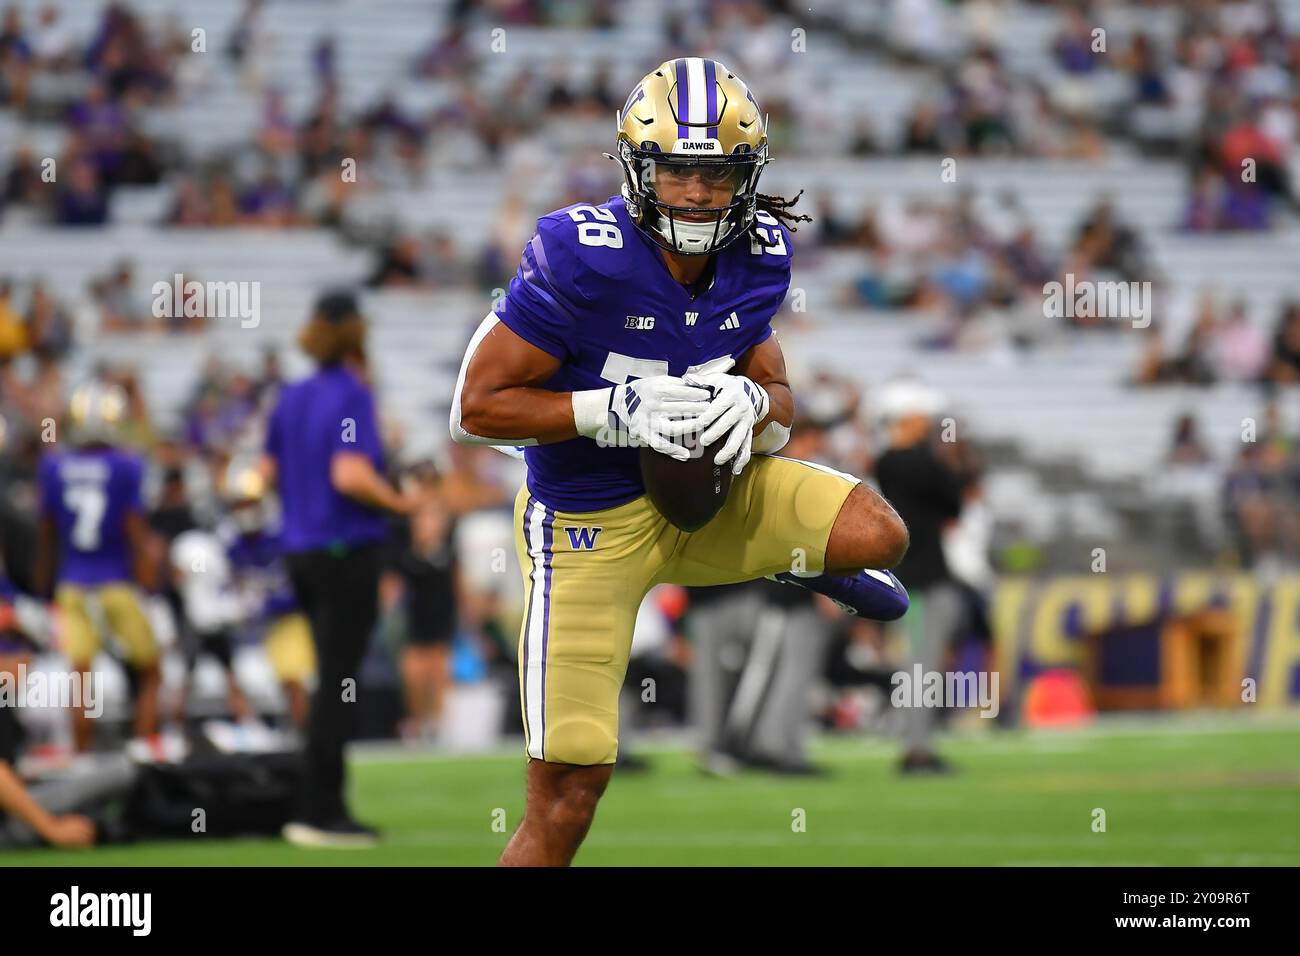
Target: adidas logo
[[731, 323]]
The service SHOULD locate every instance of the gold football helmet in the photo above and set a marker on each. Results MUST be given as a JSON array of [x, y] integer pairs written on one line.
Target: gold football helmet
[[96, 412], [692, 112], [244, 492]]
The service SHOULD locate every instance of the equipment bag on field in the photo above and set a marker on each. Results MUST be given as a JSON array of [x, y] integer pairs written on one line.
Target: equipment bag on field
[[220, 795]]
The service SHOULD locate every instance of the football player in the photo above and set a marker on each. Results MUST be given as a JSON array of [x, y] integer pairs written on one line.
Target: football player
[[211, 611], [93, 529], [256, 556], [639, 322]]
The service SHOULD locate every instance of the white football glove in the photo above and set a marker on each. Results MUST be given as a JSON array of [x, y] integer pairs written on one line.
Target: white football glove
[[651, 411], [738, 405]]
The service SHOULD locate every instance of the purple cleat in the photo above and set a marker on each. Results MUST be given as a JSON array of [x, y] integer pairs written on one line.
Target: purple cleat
[[875, 595]]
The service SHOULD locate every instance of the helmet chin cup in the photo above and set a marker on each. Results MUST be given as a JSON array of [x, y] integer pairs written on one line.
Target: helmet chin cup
[[694, 238]]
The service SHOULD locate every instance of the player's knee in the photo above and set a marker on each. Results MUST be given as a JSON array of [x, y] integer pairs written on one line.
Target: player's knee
[[890, 541], [580, 742], [878, 538]]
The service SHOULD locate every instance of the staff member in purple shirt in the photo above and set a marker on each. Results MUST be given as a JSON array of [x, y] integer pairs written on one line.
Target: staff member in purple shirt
[[324, 455]]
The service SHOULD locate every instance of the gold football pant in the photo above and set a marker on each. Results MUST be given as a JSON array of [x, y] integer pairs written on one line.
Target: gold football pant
[[586, 573], [120, 611], [289, 648]]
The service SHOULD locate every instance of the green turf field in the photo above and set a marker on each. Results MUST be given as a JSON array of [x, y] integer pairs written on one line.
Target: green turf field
[[1215, 796]]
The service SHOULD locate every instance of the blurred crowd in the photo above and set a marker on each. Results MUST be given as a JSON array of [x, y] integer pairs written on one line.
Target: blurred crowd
[[1257, 484], [1211, 81]]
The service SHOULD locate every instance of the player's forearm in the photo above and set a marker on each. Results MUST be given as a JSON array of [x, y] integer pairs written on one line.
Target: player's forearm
[[780, 407], [354, 476], [509, 415], [773, 431], [16, 800]]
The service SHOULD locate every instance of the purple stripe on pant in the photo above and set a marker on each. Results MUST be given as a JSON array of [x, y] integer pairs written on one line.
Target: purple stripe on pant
[[548, 534], [528, 611]]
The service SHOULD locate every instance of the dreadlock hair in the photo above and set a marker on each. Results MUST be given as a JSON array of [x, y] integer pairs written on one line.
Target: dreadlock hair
[[779, 208]]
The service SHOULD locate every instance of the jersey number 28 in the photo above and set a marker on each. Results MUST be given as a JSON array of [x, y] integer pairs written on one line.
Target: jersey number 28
[[598, 233]]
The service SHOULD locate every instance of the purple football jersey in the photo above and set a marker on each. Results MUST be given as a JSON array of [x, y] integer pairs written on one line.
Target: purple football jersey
[[89, 493], [595, 292]]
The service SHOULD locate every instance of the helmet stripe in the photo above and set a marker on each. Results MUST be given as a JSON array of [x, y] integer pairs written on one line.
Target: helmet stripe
[[696, 98], [711, 85], [682, 87]]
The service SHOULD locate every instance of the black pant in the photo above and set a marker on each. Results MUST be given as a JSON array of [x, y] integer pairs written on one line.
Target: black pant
[[340, 595]]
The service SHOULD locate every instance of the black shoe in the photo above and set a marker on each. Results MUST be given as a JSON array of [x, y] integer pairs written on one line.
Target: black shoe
[[341, 834], [924, 762]]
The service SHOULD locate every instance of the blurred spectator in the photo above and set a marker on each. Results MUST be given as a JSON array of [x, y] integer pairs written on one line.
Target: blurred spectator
[[136, 430], [399, 264], [13, 331], [1240, 348], [1187, 447], [427, 566], [269, 201], [447, 56], [15, 58], [1260, 506], [22, 182], [1193, 364], [121, 309], [1105, 242], [84, 201], [928, 495], [52, 43], [1143, 63], [1284, 363], [1072, 46]]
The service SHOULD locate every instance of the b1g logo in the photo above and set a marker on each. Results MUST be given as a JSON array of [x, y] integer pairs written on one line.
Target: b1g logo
[[642, 323]]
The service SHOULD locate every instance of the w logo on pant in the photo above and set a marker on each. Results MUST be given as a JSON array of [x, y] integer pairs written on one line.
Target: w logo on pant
[[583, 539]]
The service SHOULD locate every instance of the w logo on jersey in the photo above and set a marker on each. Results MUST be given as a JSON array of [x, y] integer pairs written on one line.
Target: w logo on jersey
[[583, 539], [692, 317]]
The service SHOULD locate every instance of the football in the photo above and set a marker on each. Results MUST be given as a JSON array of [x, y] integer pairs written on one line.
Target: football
[[688, 493]]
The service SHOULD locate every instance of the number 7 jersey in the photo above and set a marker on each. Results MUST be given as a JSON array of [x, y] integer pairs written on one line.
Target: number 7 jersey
[[594, 292], [88, 494]]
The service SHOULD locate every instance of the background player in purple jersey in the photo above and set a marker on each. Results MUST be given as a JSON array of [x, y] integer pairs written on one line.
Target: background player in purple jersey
[[92, 546], [641, 322], [255, 550]]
